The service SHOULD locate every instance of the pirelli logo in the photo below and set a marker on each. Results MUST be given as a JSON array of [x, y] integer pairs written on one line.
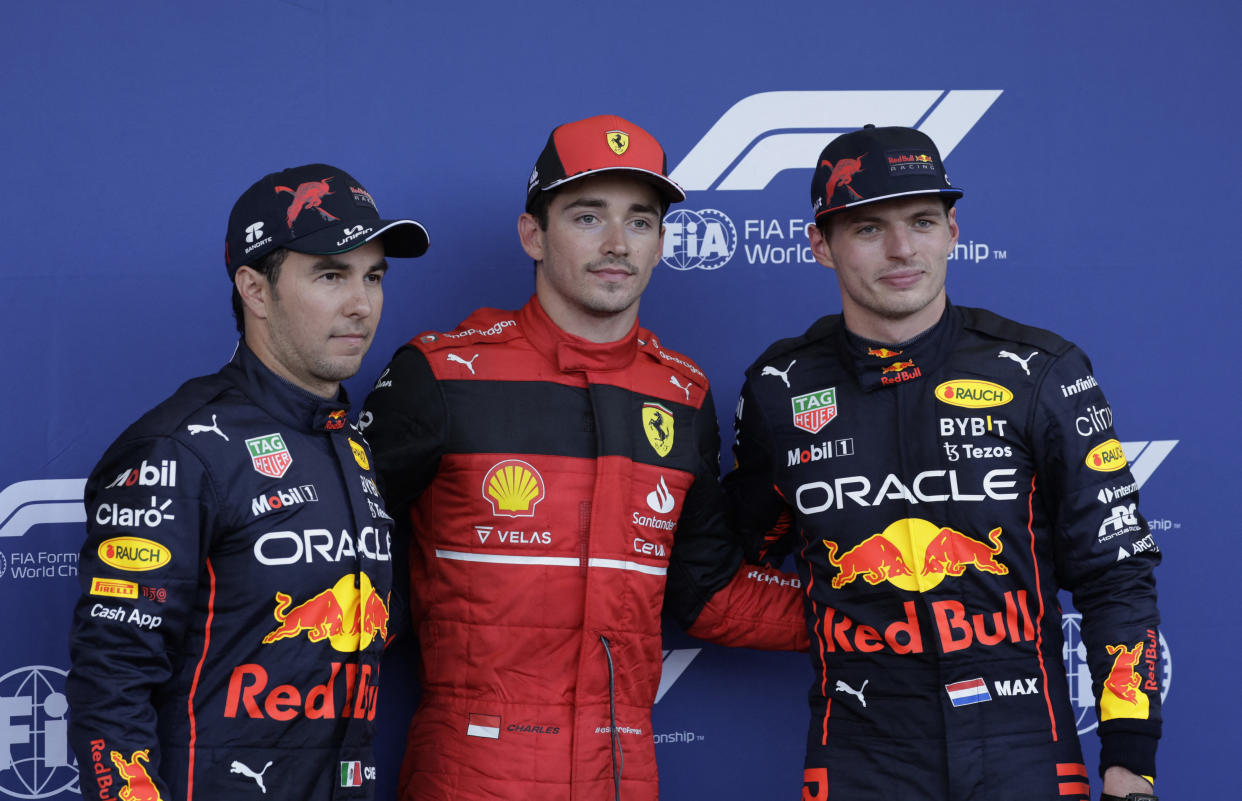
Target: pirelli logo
[[114, 588]]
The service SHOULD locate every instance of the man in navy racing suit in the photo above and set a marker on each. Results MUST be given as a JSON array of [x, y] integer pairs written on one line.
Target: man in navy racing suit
[[236, 571], [939, 473]]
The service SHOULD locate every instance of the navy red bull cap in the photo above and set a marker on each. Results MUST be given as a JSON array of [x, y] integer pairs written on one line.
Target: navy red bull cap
[[596, 145], [874, 164], [313, 209]]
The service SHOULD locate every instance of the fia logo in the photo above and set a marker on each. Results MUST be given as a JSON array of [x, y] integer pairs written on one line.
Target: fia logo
[[35, 761]]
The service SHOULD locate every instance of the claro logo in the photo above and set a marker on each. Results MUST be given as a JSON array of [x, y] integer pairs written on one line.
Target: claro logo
[[134, 554], [973, 394]]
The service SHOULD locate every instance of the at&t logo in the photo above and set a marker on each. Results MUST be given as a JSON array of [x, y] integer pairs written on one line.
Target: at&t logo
[[1075, 654], [703, 239], [35, 761]]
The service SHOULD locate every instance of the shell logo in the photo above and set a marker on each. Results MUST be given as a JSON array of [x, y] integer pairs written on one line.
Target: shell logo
[[513, 487], [1106, 457], [973, 394]]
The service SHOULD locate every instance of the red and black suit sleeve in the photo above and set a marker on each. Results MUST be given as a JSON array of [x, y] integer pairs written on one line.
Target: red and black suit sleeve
[[712, 592]]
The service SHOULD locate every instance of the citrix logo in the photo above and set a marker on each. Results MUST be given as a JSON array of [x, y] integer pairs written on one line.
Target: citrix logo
[[767, 133]]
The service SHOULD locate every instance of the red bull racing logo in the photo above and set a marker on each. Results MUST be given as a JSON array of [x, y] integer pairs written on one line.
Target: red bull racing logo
[[349, 617], [138, 783], [308, 195], [1124, 695], [894, 554], [335, 421], [842, 175]]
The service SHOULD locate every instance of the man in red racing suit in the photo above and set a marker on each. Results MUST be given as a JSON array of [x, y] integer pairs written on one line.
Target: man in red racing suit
[[939, 473], [560, 467]]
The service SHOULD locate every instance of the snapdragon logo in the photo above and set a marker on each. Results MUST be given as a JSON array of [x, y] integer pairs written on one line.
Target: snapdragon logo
[[764, 134]]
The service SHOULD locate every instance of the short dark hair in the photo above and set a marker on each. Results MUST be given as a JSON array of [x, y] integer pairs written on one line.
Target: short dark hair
[[824, 224], [267, 266]]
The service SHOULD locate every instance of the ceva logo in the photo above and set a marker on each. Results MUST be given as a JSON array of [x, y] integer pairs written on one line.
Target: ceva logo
[[767, 133]]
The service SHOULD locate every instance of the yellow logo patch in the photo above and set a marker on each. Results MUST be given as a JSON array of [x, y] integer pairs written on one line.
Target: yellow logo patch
[[973, 394], [658, 425], [360, 455], [619, 141], [1106, 457], [114, 588], [134, 554], [513, 488]]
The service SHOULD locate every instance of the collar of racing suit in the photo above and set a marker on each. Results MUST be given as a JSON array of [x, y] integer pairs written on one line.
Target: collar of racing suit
[[573, 354], [879, 364], [287, 403]]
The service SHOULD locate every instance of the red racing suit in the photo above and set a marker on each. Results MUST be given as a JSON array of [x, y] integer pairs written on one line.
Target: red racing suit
[[936, 495], [235, 588], [561, 492]]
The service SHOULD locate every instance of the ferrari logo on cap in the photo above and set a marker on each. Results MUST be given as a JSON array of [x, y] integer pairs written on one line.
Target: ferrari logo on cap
[[618, 141], [658, 425]]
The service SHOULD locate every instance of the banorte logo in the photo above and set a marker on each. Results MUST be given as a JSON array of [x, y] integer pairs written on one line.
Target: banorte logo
[[513, 488], [915, 555], [349, 617], [35, 760], [704, 240]]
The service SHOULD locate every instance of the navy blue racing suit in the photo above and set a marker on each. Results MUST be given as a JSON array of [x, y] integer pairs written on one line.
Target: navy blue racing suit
[[235, 582], [936, 495]]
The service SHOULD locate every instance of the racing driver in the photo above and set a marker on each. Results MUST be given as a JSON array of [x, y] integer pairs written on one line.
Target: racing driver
[[561, 468], [237, 565], [939, 473]]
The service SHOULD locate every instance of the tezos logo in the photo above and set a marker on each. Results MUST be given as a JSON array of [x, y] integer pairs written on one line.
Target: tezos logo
[[705, 239]]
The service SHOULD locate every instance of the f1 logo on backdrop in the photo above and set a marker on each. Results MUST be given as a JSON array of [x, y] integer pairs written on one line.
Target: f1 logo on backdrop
[[768, 133]]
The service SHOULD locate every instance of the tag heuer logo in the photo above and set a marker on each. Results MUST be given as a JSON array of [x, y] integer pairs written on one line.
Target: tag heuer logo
[[618, 141], [814, 410], [269, 455], [658, 425]]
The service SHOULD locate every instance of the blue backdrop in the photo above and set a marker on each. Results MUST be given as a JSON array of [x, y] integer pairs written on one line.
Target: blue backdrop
[[1096, 143]]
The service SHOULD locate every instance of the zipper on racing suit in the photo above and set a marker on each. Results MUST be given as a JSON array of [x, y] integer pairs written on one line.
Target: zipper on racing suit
[[618, 756]]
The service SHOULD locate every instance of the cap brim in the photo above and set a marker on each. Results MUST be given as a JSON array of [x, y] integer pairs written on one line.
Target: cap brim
[[951, 192], [402, 239], [667, 188]]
